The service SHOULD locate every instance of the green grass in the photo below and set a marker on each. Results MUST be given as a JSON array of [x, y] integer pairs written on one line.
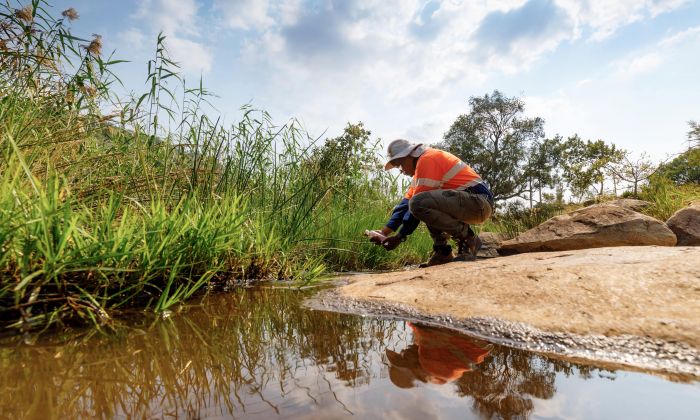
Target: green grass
[[146, 206], [515, 219], [666, 197]]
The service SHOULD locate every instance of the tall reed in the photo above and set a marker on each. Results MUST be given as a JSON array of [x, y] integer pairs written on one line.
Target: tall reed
[[146, 204]]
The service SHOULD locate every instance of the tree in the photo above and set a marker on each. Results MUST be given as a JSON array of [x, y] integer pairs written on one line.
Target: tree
[[352, 151], [493, 138], [694, 134], [585, 163], [543, 159], [347, 160], [634, 171], [684, 169]]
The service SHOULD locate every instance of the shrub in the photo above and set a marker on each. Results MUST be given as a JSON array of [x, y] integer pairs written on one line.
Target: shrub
[[666, 197]]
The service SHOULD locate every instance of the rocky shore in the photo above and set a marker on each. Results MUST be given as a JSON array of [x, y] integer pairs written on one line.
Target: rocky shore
[[632, 305]]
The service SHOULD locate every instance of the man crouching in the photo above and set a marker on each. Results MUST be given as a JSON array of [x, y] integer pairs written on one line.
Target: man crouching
[[445, 193]]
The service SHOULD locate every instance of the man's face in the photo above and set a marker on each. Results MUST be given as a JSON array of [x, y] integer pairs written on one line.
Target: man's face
[[407, 165]]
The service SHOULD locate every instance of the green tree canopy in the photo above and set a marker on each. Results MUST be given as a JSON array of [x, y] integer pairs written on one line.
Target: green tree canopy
[[493, 138], [694, 133], [543, 160], [585, 163], [346, 161], [684, 169]]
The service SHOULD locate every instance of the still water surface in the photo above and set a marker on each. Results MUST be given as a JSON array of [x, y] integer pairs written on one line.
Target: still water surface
[[256, 353]]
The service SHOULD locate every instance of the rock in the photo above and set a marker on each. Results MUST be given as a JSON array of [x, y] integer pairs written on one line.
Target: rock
[[600, 225], [490, 243], [604, 291], [630, 203], [685, 223]]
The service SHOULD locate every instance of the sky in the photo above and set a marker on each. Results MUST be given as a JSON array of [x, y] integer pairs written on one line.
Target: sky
[[624, 71]]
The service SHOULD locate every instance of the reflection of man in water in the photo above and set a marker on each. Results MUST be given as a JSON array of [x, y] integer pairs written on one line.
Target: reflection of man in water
[[436, 356]]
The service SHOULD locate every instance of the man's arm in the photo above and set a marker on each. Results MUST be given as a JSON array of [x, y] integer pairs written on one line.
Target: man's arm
[[397, 217], [410, 223], [407, 222]]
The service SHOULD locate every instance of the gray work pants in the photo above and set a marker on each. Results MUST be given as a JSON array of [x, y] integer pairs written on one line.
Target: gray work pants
[[449, 212]]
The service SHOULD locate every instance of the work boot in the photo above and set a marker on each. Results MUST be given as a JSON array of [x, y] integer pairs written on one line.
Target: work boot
[[442, 254], [474, 244], [468, 248]]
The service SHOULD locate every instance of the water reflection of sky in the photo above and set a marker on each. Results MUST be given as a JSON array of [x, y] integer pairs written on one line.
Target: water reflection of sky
[[258, 354], [629, 396]]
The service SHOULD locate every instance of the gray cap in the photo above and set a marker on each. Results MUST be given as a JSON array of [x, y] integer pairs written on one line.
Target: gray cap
[[400, 148]]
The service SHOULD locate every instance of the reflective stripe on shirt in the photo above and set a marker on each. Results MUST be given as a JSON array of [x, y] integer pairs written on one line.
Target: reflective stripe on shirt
[[454, 171], [427, 182], [469, 184], [437, 169]]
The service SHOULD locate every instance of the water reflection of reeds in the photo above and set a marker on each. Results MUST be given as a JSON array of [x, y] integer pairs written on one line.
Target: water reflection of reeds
[[224, 355], [248, 352]]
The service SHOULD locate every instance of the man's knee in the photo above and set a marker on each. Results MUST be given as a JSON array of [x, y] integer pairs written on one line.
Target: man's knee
[[419, 204]]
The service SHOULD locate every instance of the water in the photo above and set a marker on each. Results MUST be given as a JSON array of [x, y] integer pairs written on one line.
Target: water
[[255, 353]]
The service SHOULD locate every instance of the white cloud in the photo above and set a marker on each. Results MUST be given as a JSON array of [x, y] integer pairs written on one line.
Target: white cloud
[[562, 114], [190, 55], [680, 37], [369, 46], [651, 58], [376, 58], [511, 40], [633, 66], [606, 17], [287, 11], [178, 20], [132, 40], [385, 63], [170, 16], [657, 7], [244, 14], [373, 41]]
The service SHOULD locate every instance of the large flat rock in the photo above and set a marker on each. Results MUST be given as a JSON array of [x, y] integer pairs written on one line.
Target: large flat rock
[[600, 225], [646, 291], [630, 203]]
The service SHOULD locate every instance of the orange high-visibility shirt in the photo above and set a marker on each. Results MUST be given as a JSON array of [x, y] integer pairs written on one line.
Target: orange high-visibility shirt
[[445, 355], [438, 169]]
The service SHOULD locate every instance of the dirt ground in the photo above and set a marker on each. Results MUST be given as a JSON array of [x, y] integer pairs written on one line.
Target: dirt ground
[[648, 292]]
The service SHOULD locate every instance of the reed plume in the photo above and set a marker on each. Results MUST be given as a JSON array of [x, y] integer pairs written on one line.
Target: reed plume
[[95, 46], [70, 14], [26, 14]]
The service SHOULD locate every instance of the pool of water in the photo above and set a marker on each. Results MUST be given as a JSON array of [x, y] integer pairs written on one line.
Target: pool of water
[[258, 353]]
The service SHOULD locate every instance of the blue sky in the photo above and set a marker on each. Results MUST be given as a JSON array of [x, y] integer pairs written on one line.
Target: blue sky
[[624, 71]]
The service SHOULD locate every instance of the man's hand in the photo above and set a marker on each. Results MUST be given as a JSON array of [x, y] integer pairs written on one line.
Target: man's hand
[[375, 236], [392, 242]]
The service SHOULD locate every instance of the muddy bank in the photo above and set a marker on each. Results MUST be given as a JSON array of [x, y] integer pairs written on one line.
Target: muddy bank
[[638, 306]]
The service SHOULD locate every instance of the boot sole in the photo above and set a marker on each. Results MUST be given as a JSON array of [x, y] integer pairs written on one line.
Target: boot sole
[[426, 265]]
